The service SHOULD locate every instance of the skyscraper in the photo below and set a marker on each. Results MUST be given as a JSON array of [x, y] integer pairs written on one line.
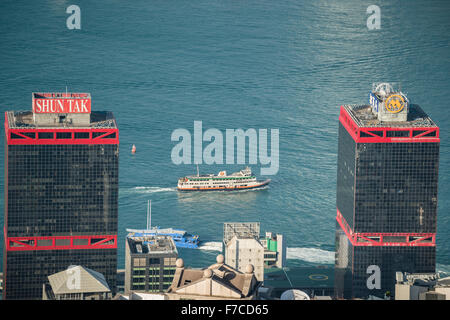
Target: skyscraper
[[61, 192], [387, 182]]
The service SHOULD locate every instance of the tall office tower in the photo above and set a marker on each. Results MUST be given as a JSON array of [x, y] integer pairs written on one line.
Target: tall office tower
[[61, 192], [387, 184]]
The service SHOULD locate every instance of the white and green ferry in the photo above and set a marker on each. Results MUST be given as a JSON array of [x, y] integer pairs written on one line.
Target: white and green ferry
[[209, 182]]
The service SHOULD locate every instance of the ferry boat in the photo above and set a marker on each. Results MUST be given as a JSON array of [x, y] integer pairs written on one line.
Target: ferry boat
[[209, 182], [180, 237]]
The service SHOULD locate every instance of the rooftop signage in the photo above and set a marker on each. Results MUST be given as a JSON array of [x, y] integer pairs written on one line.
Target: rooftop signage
[[395, 103], [61, 103]]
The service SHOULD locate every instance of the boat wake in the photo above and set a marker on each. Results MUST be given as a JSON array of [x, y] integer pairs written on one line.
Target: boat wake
[[211, 246], [153, 189], [443, 268], [313, 255]]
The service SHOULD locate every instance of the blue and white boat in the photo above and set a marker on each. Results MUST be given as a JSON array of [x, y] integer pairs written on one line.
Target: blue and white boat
[[181, 238]]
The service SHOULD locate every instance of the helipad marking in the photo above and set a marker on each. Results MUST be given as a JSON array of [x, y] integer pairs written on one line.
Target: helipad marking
[[318, 277]]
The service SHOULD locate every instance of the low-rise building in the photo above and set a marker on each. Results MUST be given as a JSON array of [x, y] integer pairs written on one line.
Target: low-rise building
[[76, 283], [243, 246], [216, 282], [274, 250], [141, 296], [443, 287], [421, 286], [149, 263], [315, 281], [240, 252]]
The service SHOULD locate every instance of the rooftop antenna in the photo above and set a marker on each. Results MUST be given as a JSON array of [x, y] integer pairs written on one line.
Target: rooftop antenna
[[287, 277], [149, 214]]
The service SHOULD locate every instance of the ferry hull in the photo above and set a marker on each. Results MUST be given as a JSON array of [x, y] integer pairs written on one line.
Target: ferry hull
[[260, 185]]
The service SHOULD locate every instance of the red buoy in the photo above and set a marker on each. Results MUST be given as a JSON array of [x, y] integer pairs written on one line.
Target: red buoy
[[133, 149]]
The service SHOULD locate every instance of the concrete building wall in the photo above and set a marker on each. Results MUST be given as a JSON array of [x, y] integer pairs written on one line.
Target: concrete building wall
[[127, 282], [431, 295], [241, 252], [408, 292], [443, 290], [281, 251]]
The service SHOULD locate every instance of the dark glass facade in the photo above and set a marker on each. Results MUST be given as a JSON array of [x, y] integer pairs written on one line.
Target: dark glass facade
[[389, 188], [61, 190], [396, 187], [345, 191], [352, 263]]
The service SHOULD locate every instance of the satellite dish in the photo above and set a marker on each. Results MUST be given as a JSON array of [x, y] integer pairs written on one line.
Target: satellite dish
[[384, 89], [294, 294]]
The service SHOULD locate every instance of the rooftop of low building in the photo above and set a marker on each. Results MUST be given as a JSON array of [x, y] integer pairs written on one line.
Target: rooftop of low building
[[242, 284], [147, 244], [87, 281]]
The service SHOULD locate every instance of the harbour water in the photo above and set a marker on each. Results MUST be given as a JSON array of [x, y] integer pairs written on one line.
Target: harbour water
[[287, 65]]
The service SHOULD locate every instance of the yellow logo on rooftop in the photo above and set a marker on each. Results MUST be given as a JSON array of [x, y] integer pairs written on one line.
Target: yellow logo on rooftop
[[395, 103]]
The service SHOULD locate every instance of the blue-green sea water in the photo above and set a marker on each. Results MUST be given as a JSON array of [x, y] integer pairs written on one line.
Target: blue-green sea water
[[160, 65]]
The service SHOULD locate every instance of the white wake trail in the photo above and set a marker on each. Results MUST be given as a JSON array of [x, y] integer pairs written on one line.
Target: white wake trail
[[153, 189], [211, 246], [443, 268], [313, 255]]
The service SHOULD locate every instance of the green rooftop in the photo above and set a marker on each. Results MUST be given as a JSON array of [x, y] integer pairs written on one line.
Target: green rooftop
[[321, 277]]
